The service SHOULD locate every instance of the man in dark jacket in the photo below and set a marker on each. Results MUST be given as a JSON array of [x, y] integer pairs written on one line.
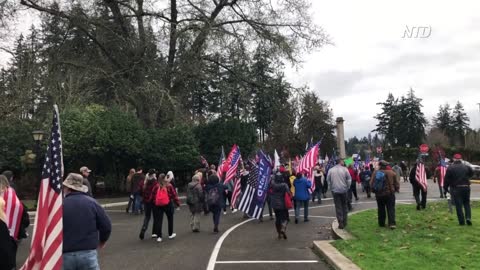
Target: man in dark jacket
[[86, 226], [417, 189], [137, 183], [457, 178]]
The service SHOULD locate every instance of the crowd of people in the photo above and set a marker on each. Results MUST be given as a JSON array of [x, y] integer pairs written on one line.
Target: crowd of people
[[87, 227]]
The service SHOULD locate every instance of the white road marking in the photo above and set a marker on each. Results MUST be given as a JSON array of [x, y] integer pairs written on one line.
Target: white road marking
[[242, 262]]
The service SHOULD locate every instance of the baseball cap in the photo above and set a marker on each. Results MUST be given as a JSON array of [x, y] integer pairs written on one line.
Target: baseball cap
[[84, 168], [457, 156]]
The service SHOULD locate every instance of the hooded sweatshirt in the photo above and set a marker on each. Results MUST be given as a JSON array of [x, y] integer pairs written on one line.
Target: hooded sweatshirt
[[339, 179]]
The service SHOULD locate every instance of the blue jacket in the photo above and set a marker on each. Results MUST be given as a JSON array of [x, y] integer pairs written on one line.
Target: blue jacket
[[301, 189], [85, 223]]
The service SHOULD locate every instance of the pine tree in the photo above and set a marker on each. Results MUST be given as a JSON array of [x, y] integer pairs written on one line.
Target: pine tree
[[412, 122], [460, 123]]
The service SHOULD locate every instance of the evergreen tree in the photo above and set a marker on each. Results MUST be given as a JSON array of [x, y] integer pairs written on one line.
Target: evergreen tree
[[460, 123], [412, 121], [443, 120]]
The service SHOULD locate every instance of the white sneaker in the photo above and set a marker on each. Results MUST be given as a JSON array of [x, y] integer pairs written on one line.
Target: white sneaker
[[234, 211], [154, 236], [172, 236], [159, 239], [225, 212]]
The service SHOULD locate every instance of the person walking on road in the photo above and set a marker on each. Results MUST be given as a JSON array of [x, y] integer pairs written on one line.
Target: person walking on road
[[317, 177], [166, 199], [384, 184], [302, 196], [417, 189], [86, 226], [457, 178], [279, 190], [215, 192], [85, 171], [128, 189], [353, 186], [195, 201], [398, 171], [148, 195], [339, 181], [436, 179], [365, 176], [137, 181]]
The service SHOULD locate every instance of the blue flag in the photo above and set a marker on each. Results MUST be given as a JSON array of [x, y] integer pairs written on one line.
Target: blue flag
[[253, 199]]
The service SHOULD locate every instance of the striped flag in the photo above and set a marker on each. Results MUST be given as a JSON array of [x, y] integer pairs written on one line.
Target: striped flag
[[237, 186], [443, 170], [308, 162], [231, 164], [253, 199], [220, 168], [421, 176], [13, 212], [367, 161], [47, 239]]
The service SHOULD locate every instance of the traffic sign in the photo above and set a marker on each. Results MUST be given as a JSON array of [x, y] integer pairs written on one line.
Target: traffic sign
[[424, 148]]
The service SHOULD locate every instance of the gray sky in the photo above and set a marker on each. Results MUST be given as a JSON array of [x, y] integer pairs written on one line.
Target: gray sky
[[370, 57]]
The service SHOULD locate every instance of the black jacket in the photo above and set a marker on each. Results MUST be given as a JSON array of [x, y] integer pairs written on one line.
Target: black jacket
[[277, 198], [85, 223], [8, 248], [458, 174]]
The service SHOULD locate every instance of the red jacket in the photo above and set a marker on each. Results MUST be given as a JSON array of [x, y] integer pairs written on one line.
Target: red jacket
[[149, 191], [354, 175]]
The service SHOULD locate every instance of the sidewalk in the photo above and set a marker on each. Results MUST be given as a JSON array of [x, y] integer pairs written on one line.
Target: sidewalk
[[110, 202]]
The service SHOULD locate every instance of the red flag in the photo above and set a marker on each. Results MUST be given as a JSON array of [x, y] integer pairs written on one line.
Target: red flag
[[47, 239], [13, 212], [232, 163], [421, 176]]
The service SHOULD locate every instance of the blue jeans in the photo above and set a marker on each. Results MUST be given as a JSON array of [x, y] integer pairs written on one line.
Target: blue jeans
[[80, 260], [305, 209], [137, 202]]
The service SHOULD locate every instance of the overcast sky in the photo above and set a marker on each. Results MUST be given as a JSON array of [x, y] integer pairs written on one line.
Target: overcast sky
[[370, 57]]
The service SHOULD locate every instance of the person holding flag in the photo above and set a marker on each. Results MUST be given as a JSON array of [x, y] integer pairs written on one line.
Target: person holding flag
[[439, 174], [418, 179], [8, 245]]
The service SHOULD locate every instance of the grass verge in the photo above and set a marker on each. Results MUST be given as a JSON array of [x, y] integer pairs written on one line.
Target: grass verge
[[427, 239]]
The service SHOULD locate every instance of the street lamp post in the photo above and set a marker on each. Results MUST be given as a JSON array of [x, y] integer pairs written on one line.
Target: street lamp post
[[38, 137], [408, 156]]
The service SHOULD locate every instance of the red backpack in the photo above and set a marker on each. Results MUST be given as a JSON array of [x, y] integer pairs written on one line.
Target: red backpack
[[162, 198]]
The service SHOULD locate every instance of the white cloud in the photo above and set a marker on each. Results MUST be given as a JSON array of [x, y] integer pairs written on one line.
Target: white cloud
[[370, 58]]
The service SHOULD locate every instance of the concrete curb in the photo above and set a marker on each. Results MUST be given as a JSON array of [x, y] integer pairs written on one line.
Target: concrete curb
[[340, 233], [336, 259]]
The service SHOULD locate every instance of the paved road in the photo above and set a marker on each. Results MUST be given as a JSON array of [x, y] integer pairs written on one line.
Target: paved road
[[241, 244]]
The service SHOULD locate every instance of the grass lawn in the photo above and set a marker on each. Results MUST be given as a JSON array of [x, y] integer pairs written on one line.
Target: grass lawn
[[427, 239]]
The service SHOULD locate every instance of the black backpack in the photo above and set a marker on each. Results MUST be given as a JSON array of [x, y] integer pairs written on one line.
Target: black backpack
[[213, 197]]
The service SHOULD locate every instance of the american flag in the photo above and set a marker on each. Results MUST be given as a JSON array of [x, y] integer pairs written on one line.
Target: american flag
[[421, 176], [309, 161], [253, 199], [237, 187], [232, 163], [47, 239], [220, 164], [356, 165], [443, 170], [13, 212]]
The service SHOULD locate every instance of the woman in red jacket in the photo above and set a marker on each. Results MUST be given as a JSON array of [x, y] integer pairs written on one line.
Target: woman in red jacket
[[148, 194], [166, 199]]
